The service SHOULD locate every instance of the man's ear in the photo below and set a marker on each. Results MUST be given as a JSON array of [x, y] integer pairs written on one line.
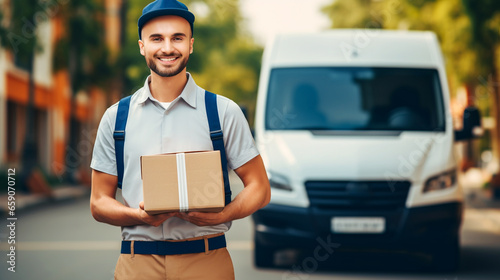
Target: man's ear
[[141, 48], [191, 46]]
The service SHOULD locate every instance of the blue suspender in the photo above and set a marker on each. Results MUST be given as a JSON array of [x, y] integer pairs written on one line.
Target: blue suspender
[[217, 138], [119, 135], [215, 134]]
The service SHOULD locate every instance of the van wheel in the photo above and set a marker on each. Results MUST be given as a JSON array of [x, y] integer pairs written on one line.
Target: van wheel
[[446, 255], [263, 255]]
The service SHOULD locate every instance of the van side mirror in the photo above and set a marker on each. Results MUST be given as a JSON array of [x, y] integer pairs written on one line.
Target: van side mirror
[[471, 125]]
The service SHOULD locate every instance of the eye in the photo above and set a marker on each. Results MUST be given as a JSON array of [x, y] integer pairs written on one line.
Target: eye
[[156, 39], [178, 39]]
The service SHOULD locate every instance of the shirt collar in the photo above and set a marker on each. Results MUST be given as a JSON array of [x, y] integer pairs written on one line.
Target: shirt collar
[[188, 93]]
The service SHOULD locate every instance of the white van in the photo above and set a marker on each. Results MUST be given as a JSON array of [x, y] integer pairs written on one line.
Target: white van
[[355, 130]]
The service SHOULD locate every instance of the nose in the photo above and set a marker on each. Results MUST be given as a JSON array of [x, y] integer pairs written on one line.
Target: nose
[[167, 47]]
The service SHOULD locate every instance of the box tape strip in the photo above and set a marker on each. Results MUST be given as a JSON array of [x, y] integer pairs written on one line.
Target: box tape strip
[[182, 182]]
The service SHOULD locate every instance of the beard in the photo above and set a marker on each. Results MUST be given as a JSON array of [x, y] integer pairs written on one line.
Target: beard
[[168, 71]]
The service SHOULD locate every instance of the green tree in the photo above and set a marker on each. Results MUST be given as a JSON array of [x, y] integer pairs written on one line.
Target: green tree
[[21, 39], [83, 52], [355, 14], [485, 20]]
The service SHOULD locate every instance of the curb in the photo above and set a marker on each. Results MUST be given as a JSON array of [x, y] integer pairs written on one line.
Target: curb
[[480, 198], [27, 201]]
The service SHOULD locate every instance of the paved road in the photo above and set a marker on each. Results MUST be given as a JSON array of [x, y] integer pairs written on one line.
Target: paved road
[[63, 242]]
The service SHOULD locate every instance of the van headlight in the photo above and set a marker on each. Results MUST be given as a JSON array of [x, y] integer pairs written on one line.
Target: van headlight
[[442, 181], [278, 181]]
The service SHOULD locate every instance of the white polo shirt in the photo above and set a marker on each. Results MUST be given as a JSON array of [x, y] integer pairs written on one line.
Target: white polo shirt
[[183, 127]]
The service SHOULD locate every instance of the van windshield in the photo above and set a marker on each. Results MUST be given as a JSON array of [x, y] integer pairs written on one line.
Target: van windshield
[[394, 99]]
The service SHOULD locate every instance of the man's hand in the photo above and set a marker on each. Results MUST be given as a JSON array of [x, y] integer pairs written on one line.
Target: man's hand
[[154, 220], [203, 219]]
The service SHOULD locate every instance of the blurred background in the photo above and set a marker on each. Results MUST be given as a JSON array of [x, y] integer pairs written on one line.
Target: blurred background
[[63, 62]]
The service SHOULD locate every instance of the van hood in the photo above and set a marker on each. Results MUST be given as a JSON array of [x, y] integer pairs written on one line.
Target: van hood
[[332, 157]]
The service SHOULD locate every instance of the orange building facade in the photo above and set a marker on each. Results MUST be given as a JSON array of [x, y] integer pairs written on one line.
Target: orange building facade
[[53, 102]]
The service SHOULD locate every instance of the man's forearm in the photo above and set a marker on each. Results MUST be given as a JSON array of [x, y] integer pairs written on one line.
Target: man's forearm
[[249, 200], [110, 211], [256, 193]]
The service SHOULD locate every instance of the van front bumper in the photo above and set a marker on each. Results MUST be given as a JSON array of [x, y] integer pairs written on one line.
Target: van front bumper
[[293, 227]]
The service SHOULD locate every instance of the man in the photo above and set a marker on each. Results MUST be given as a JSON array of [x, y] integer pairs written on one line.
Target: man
[[168, 115]]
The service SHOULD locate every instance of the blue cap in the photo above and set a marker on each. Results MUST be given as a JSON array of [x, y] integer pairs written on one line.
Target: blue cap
[[165, 8]]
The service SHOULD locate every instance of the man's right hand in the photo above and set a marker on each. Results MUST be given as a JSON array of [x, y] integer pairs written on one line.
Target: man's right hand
[[154, 220], [106, 209]]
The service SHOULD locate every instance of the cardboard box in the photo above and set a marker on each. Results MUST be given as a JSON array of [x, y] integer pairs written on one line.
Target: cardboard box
[[183, 182]]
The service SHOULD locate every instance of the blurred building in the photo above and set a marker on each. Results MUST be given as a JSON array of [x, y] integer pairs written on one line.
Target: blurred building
[[52, 101]]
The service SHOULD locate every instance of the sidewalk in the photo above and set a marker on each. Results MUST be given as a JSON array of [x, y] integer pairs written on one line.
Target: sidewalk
[[475, 195], [60, 193]]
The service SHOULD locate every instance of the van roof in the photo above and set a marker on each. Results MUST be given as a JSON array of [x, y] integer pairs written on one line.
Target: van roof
[[355, 47]]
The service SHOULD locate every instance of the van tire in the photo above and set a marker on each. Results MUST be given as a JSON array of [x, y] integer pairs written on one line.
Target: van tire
[[263, 255], [446, 255]]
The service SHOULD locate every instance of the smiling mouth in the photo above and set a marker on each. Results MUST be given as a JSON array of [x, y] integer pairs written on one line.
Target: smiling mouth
[[167, 59]]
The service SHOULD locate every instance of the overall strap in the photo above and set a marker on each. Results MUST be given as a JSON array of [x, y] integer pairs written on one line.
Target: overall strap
[[217, 138], [119, 136]]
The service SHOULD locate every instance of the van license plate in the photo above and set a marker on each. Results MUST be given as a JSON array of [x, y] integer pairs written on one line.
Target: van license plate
[[358, 225]]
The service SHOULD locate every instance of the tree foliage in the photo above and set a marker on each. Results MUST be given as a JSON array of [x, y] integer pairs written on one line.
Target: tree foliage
[[19, 36], [485, 32], [82, 50]]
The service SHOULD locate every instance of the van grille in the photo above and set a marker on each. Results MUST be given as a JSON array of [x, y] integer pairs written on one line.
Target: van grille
[[349, 195]]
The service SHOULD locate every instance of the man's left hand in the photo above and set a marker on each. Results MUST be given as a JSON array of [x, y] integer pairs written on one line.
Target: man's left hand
[[254, 196]]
